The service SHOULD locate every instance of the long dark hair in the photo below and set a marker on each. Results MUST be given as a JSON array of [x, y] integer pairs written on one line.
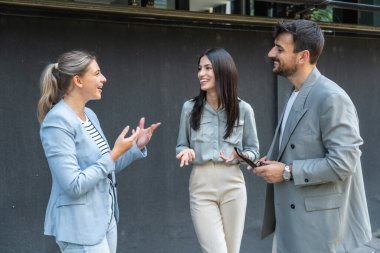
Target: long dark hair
[[226, 80]]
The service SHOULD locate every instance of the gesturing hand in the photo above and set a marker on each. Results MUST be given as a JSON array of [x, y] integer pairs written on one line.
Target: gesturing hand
[[145, 134], [186, 156], [228, 159], [122, 144]]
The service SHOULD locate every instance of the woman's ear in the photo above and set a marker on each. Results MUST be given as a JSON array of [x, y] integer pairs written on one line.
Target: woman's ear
[[77, 81]]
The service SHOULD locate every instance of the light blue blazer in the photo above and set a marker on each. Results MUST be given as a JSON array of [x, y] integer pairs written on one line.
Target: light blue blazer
[[78, 210]]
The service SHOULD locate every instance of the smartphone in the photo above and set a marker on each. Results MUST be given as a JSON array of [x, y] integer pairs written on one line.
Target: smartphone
[[241, 155]]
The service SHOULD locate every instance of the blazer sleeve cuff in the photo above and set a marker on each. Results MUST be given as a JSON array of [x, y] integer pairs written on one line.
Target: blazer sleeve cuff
[[140, 152], [109, 163]]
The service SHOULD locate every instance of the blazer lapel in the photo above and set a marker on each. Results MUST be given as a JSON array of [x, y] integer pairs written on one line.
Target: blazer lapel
[[273, 150], [298, 110], [293, 119]]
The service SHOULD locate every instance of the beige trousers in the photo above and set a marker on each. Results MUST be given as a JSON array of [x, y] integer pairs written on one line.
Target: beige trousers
[[218, 201]]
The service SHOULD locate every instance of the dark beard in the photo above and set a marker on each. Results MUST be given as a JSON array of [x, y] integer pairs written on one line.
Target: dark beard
[[285, 72]]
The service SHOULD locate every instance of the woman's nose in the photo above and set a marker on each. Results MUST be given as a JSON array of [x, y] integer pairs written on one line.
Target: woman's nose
[[201, 72], [104, 79]]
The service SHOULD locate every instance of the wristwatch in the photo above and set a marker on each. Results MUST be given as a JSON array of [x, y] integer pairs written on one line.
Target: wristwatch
[[286, 175]]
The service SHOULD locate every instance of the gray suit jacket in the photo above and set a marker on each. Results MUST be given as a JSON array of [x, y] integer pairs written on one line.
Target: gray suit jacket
[[78, 210], [324, 207]]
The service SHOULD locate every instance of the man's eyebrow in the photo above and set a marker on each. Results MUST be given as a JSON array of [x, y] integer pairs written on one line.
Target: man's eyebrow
[[278, 45]]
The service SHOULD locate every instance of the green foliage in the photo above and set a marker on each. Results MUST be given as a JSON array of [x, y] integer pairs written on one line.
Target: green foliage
[[377, 234], [322, 15]]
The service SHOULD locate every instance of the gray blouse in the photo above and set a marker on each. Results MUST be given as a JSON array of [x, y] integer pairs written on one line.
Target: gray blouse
[[207, 141]]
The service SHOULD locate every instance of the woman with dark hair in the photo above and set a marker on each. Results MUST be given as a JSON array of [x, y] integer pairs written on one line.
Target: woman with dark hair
[[82, 211], [212, 124]]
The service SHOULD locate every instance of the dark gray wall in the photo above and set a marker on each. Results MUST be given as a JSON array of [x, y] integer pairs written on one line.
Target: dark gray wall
[[151, 70]]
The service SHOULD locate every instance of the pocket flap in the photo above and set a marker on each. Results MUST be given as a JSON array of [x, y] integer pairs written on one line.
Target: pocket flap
[[323, 202], [64, 200], [205, 120], [236, 123]]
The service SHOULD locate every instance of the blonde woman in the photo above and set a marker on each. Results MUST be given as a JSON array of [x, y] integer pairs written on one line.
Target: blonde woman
[[82, 211]]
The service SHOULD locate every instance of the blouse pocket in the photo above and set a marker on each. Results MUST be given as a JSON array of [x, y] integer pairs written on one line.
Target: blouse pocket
[[205, 131]]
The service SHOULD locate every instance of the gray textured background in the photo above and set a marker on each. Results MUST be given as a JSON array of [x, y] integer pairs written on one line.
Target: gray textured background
[[151, 70]]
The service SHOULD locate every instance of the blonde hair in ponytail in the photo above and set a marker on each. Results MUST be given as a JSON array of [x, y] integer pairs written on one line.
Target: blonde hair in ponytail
[[57, 78], [49, 92]]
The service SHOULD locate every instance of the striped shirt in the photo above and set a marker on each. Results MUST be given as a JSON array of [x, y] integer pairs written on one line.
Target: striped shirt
[[104, 148], [95, 135]]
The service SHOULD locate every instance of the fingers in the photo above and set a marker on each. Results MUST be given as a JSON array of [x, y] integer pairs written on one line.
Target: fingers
[[189, 152], [184, 161], [142, 122], [134, 135], [229, 159], [270, 173], [123, 143], [152, 127], [137, 132], [180, 154], [155, 126], [186, 156], [191, 155], [147, 133], [259, 171], [124, 132], [264, 158], [224, 157], [267, 162], [263, 161], [221, 154], [249, 168]]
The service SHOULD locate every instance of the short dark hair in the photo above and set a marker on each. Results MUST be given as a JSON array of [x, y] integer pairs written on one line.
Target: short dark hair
[[307, 35]]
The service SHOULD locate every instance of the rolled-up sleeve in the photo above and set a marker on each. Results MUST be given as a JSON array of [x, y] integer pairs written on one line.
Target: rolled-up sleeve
[[183, 140], [250, 141]]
